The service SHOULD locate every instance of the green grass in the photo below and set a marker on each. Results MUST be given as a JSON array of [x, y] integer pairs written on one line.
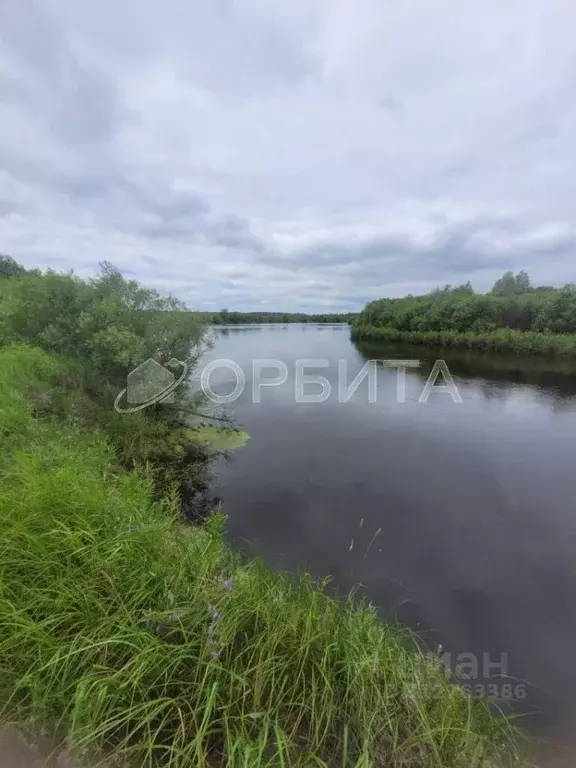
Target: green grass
[[127, 633], [502, 340]]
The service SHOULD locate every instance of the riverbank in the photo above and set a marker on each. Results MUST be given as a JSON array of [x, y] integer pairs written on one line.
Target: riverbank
[[127, 634], [503, 340], [125, 631]]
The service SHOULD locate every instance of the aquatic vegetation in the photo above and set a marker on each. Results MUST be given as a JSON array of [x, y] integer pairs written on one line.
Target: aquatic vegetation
[[223, 439]]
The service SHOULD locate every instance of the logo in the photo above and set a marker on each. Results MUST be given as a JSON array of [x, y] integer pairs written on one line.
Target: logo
[[150, 383], [302, 379], [480, 677]]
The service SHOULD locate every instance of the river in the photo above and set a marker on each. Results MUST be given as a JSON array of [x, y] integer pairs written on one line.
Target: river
[[457, 518]]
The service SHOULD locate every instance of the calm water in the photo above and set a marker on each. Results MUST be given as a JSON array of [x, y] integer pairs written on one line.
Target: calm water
[[459, 519]]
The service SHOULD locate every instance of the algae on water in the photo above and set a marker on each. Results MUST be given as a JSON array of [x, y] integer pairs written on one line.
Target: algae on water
[[220, 439]]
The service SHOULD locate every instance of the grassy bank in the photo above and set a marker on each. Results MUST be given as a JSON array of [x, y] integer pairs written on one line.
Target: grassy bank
[[502, 340], [123, 630]]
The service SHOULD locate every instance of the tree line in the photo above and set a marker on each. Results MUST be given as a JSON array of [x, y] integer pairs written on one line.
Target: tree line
[[513, 316], [512, 303], [224, 317]]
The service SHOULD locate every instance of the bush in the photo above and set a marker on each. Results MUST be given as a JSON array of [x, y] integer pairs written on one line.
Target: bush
[[101, 329]]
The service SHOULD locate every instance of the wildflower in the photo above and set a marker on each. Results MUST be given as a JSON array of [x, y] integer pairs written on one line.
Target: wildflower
[[213, 612], [228, 584]]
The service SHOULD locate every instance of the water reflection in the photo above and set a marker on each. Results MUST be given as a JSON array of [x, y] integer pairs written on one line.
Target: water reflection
[[494, 374]]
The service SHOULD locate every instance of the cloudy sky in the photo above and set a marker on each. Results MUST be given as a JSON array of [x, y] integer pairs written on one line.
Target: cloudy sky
[[293, 155]]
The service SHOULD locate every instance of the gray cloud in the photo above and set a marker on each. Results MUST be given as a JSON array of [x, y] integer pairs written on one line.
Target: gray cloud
[[309, 154]]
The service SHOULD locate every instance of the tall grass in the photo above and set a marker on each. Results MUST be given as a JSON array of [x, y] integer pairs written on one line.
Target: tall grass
[[128, 634], [501, 340]]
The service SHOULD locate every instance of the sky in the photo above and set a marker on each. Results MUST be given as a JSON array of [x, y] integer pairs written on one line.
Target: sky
[[309, 155]]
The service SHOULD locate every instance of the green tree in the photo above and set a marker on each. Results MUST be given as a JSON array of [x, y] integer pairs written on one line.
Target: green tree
[[510, 284], [9, 267], [505, 285], [523, 283]]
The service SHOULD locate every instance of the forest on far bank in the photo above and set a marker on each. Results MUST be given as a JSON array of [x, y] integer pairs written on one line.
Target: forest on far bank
[[224, 317], [513, 303]]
